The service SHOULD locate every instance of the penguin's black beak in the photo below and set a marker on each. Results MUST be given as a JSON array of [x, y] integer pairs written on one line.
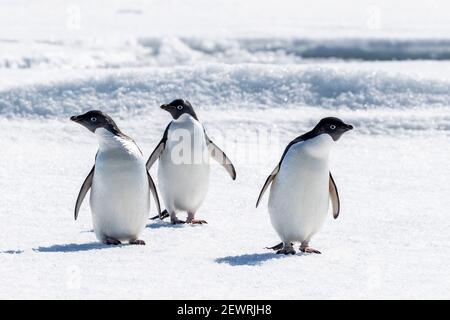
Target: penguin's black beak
[[75, 118], [165, 107], [349, 127]]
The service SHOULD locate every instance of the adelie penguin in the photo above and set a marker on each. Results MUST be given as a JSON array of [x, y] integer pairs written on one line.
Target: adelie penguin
[[119, 181], [183, 171], [302, 186]]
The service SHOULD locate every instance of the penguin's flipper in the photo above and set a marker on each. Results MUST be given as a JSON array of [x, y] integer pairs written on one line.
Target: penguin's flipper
[[159, 149], [153, 191], [83, 191], [220, 156], [155, 154], [268, 181], [161, 216], [334, 197]]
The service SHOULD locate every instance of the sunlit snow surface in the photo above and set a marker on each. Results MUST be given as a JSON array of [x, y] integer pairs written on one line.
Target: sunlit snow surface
[[258, 74]]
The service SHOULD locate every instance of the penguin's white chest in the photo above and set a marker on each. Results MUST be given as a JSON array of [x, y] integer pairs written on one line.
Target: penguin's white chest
[[120, 194], [183, 170], [299, 195]]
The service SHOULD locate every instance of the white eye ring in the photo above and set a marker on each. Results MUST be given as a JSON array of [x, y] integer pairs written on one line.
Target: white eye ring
[[332, 127], [93, 119], [180, 107]]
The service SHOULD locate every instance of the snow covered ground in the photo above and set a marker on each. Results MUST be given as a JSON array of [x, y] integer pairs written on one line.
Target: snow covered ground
[[258, 75]]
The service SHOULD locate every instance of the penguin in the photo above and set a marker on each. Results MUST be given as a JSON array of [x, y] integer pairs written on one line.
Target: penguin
[[302, 186], [183, 171], [120, 182]]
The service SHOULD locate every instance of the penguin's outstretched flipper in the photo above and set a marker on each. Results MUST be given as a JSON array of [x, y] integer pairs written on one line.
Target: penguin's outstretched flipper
[[267, 183], [220, 156], [158, 150]]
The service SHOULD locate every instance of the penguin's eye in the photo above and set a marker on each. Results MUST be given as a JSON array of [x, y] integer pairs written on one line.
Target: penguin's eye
[[93, 119], [180, 107], [332, 127]]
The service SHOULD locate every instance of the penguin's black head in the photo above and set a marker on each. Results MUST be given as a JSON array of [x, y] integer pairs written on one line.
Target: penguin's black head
[[333, 126], [95, 119], [179, 107]]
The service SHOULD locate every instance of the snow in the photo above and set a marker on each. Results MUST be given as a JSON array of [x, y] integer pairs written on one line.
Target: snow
[[211, 85], [255, 88]]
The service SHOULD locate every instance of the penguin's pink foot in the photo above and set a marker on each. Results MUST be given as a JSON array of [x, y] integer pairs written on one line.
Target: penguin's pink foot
[[190, 219], [137, 242], [195, 221], [309, 250], [286, 250], [112, 241]]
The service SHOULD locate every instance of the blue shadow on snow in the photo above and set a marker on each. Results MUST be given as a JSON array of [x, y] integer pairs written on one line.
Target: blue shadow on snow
[[158, 225], [254, 259], [74, 247]]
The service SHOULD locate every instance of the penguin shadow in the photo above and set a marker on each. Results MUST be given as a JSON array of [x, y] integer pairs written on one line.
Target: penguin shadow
[[74, 247], [254, 259], [162, 224]]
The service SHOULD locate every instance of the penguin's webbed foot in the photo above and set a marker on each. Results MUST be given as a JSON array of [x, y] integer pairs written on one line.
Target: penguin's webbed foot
[[177, 221], [191, 219], [137, 242], [195, 221], [286, 250], [112, 241], [277, 247], [309, 250]]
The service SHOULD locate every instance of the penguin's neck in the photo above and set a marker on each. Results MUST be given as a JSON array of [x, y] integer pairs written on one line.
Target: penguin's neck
[[319, 146], [110, 141], [185, 117]]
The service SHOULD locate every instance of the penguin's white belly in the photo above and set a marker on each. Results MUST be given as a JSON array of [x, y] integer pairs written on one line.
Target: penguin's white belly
[[183, 186], [120, 199], [299, 197], [183, 170]]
